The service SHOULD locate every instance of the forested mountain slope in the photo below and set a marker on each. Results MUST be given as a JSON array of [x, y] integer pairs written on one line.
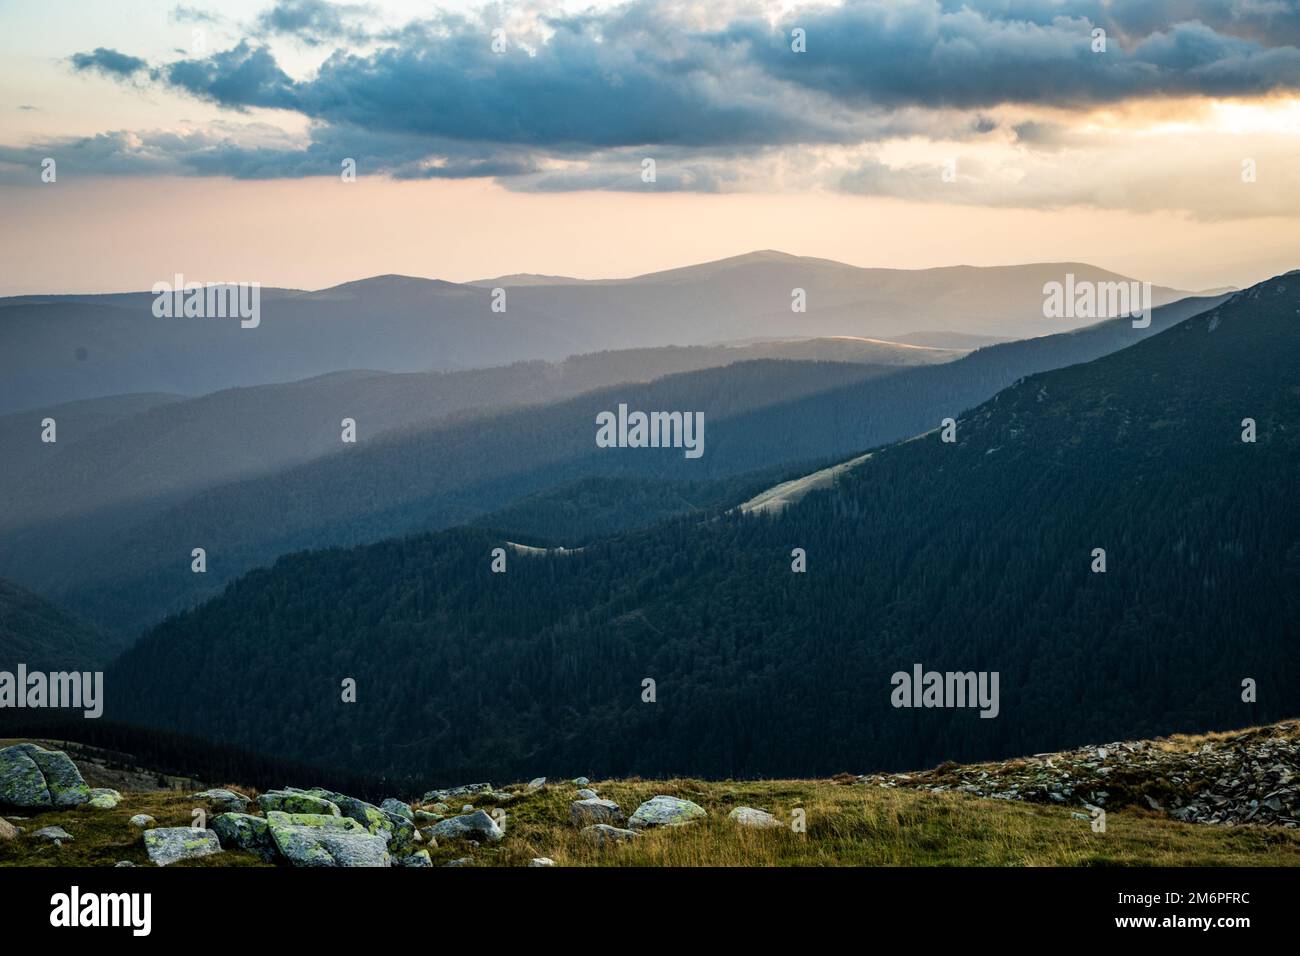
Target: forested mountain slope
[[127, 567], [970, 556]]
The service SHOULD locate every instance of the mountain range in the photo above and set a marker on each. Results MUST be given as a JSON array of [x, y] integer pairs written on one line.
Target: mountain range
[[58, 349], [978, 554]]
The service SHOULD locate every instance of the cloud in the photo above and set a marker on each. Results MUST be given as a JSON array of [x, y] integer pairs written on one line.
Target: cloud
[[315, 22], [545, 102], [110, 63]]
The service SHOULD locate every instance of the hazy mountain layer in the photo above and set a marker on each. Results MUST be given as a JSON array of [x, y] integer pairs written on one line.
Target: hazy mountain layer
[[56, 349]]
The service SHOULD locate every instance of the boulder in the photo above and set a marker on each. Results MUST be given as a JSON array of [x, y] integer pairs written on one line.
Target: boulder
[[757, 819], [664, 811], [477, 826], [227, 800], [536, 783], [420, 858], [594, 810], [461, 861], [309, 839], [602, 834], [102, 798], [167, 845], [7, 831], [393, 805], [143, 821], [51, 834], [580, 781], [541, 861], [292, 801], [367, 814], [241, 831], [456, 793], [31, 776], [587, 793], [424, 816], [121, 863], [402, 833]]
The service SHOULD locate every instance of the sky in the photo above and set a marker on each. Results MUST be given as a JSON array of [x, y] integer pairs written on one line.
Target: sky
[[1158, 138]]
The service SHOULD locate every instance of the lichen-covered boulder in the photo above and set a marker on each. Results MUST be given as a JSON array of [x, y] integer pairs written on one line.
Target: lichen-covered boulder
[[293, 801], [31, 776], [367, 814], [477, 826], [227, 800], [420, 858], [102, 798], [595, 810], [307, 839], [393, 805], [241, 831], [602, 835], [664, 811], [167, 845], [143, 821], [756, 819]]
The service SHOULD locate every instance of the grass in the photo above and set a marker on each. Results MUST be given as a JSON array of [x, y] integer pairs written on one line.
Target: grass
[[847, 825]]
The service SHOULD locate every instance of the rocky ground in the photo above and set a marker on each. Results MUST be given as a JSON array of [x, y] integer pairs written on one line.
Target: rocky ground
[[1225, 799], [1249, 777]]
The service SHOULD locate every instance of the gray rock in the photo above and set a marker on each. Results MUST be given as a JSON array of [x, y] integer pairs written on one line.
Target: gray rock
[[143, 821], [367, 814], [456, 793], [241, 831], [393, 805], [123, 863], [461, 861], [167, 845], [476, 826], [227, 800], [52, 833], [757, 819], [424, 816], [292, 801], [665, 811], [541, 861], [586, 794], [536, 783], [602, 835], [102, 798], [467, 808], [31, 776], [420, 858], [595, 810], [308, 839], [580, 781], [7, 831]]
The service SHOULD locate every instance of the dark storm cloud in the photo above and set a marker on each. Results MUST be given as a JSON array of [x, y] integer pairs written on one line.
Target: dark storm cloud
[[108, 62], [433, 99]]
